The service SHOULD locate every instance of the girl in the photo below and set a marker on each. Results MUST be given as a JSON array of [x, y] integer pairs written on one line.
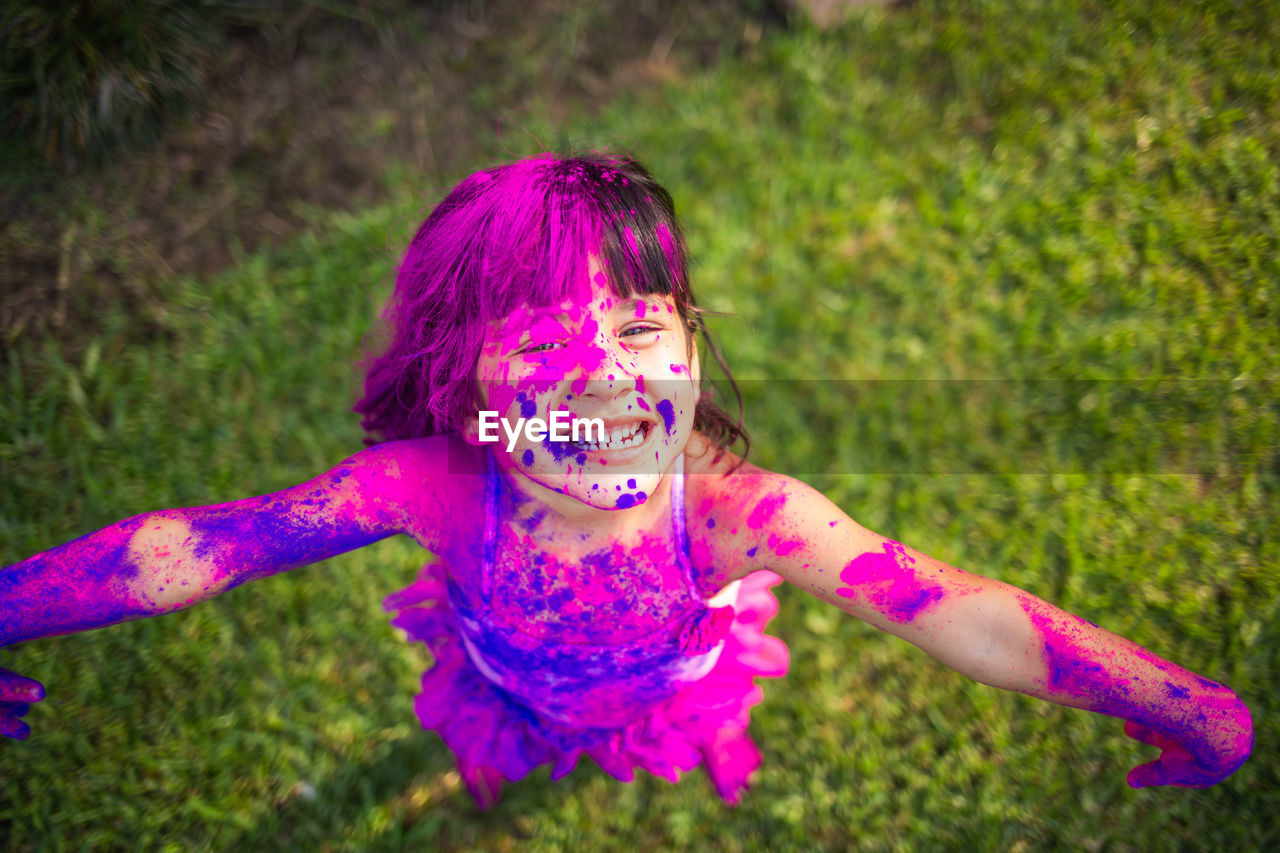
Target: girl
[[603, 594]]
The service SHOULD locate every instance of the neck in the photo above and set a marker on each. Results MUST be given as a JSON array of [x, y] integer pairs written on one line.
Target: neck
[[522, 499]]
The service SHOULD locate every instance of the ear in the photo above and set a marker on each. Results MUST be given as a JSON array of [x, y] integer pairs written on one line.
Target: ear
[[695, 373], [471, 430]]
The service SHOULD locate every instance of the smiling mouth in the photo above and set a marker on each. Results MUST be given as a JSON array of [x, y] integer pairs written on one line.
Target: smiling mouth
[[619, 438]]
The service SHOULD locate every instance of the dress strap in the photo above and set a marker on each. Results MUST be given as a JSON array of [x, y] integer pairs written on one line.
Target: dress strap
[[490, 526], [681, 528]]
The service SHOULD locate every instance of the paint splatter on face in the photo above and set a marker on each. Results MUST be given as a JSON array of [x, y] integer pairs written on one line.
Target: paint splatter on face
[[593, 357], [667, 409], [890, 582]]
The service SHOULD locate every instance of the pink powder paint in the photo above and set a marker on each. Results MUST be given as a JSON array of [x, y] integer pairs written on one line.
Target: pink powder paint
[[783, 547], [904, 598], [764, 510]]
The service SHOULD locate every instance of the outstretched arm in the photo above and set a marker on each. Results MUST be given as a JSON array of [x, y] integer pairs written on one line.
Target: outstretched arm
[[994, 632], [166, 560]]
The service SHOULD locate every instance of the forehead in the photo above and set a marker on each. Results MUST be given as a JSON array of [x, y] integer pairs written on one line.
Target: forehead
[[598, 298]]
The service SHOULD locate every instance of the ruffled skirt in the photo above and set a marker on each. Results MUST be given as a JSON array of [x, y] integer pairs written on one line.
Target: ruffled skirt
[[496, 738]]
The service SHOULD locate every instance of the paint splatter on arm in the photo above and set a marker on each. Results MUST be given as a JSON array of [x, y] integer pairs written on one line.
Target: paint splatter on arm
[[169, 559], [993, 632], [791, 528], [1203, 729], [166, 560]]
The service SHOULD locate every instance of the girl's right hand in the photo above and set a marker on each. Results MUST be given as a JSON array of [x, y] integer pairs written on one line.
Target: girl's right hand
[[16, 695]]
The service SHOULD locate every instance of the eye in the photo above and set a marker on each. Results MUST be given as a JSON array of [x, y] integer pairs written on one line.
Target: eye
[[545, 347], [639, 330]]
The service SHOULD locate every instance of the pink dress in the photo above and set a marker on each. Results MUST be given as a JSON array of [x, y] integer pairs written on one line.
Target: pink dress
[[506, 701]]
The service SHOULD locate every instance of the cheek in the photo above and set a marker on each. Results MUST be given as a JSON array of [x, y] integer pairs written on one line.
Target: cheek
[[667, 410]]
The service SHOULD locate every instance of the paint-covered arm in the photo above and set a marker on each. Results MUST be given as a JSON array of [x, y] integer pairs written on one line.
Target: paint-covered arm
[[993, 632], [165, 560]]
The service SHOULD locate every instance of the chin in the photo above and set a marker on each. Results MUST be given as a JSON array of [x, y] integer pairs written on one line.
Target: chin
[[608, 492], [631, 486]]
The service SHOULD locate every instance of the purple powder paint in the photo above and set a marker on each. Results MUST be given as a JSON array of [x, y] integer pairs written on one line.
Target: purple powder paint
[[527, 457], [531, 523], [1207, 741], [667, 410], [559, 450]]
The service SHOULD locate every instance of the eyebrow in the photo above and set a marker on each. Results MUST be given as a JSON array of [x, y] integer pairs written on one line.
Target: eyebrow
[[629, 304], [557, 314]]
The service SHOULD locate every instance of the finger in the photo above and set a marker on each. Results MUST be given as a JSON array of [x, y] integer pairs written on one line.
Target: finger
[[1142, 733], [1146, 775], [19, 688], [14, 709], [1153, 737], [13, 727]]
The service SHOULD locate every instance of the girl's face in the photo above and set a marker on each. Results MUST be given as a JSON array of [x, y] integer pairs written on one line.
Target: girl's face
[[625, 361]]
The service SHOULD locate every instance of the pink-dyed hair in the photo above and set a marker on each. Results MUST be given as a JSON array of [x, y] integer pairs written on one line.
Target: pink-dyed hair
[[519, 235]]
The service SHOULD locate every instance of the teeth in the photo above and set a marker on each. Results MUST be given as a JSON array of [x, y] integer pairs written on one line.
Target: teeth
[[619, 438]]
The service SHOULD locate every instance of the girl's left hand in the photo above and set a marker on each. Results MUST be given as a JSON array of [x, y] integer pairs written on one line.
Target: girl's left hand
[[1176, 765], [16, 695]]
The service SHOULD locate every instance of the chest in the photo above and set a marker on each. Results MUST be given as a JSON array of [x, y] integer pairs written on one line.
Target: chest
[[607, 595], [604, 595]]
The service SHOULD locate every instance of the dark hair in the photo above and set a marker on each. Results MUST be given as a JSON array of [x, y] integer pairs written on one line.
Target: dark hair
[[519, 235]]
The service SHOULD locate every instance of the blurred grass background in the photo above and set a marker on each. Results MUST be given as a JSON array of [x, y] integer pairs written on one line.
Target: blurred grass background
[[1000, 191]]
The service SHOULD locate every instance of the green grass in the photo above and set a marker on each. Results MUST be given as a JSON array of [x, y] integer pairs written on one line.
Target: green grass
[[1013, 192]]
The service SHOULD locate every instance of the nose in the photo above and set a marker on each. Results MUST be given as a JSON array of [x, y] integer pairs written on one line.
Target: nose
[[607, 390], [609, 377]]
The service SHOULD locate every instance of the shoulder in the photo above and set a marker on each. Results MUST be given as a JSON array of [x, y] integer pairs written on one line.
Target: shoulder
[[735, 511], [747, 518], [434, 485]]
